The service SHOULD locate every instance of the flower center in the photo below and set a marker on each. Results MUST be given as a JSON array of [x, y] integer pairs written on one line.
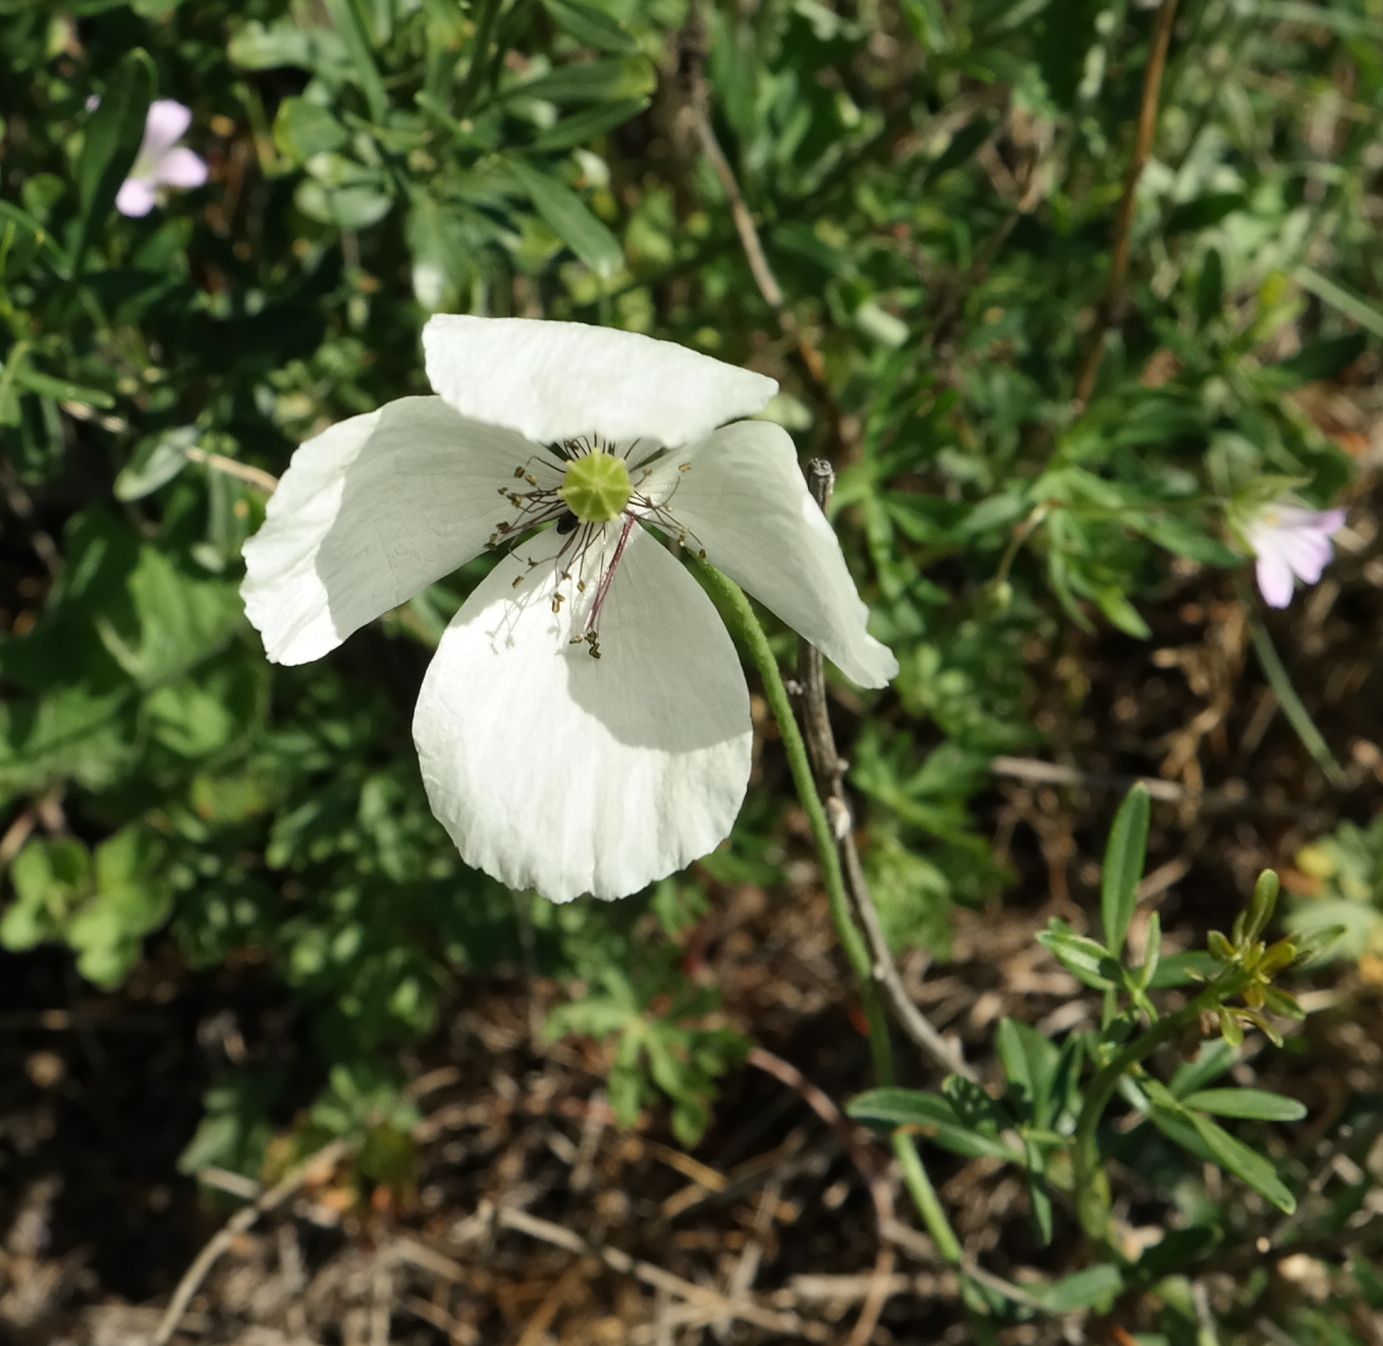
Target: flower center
[[596, 487]]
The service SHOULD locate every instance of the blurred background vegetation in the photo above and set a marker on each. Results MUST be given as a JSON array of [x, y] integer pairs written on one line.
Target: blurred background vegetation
[[234, 934]]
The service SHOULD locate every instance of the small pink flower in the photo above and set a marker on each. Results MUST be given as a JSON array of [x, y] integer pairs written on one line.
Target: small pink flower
[[1291, 543], [161, 161]]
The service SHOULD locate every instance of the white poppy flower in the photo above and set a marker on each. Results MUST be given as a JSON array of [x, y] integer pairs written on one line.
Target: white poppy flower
[[584, 726]]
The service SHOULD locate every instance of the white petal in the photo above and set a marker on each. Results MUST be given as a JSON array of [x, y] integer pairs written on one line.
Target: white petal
[[554, 381], [135, 198], [558, 771], [180, 168], [744, 499], [370, 512], [166, 124], [1274, 579]]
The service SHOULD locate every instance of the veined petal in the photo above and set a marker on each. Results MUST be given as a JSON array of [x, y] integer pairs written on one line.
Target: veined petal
[[555, 770], [555, 381], [743, 498], [1307, 551], [370, 512]]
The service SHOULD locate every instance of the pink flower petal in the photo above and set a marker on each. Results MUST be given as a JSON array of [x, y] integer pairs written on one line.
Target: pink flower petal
[[165, 125], [1274, 579], [180, 168], [1307, 551], [135, 197]]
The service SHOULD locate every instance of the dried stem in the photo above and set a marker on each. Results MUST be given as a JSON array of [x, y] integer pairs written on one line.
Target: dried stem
[[830, 773], [1123, 227], [694, 50], [242, 1220]]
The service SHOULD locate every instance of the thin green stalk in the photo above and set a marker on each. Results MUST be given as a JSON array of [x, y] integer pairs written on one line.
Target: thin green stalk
[[1292, 705], [480, 46], [746, 625], [1091, 1183]]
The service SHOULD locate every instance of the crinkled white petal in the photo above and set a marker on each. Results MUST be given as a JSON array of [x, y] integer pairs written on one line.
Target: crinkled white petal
[[558, 771], [370, 512], [742, 496], [555, 381]]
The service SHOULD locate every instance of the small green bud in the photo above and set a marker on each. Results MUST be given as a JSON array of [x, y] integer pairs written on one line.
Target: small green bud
[[1317, 861], [1230, 1028], [596, 487], [1220, 948], [1282, 954], [995, 598], [1262, 903]]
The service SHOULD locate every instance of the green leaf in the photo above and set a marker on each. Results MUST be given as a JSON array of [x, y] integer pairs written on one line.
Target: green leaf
[[156, 461], [588, 125], [1214, 1059], [359, 44], [1031, 1063], [1341, 298], [113, 135], [1258, 1104], [589, 25], [1322, 359], [601, 81], [1246, 1164], [1094, 1288], [1124, 858], [303, 128], [569, 218], [61, 390], [934, 1118], [1084, 958]]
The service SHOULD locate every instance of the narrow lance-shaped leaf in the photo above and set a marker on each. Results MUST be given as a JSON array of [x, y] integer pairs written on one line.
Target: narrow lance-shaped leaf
[[113, 136], [1123, 866], [564, 212]]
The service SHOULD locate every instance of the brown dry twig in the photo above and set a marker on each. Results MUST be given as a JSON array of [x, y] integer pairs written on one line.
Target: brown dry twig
[[772, 1320], [830, 772], [284, 1190], [1123, 226], [866, 1162], [694, 50]]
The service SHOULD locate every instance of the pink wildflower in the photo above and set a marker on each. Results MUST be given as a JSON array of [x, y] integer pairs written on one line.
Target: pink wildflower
[[1291, 543], [161, 161]]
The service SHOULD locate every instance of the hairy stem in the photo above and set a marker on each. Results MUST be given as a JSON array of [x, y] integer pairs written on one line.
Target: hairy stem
[[1091, 1183], [746, 625]]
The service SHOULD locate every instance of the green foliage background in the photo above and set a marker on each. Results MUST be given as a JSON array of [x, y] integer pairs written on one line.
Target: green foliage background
[[935, 182]]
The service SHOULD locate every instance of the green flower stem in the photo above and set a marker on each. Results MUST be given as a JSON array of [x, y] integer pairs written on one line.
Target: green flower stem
[[1091, 1182], [745, 624]]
